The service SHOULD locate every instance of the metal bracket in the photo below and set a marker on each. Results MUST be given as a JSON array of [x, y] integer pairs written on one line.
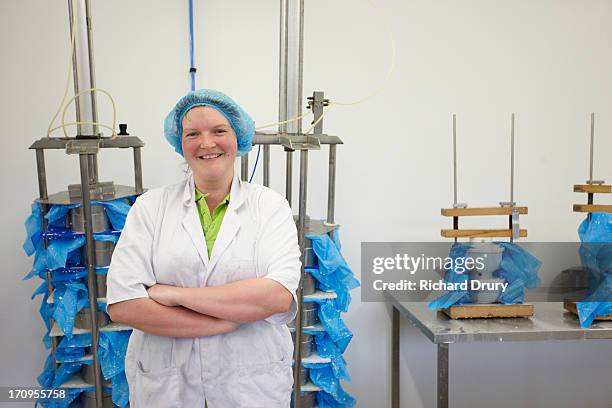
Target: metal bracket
[[507, 204], [516, 228], [460, 205], [98, 191], [312, 103], [308, 143], [596, 182], [83, 146]]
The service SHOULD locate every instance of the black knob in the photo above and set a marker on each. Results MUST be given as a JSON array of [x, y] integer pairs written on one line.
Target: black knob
[[123, 129]]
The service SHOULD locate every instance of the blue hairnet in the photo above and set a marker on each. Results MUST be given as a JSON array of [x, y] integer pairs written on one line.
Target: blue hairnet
[[239, 120]]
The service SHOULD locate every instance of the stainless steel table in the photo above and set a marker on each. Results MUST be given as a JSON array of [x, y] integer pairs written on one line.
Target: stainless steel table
[[550, 322]]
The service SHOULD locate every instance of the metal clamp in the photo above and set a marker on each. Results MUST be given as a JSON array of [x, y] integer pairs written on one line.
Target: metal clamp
[[83, 146], [307, 142], [516, 229]]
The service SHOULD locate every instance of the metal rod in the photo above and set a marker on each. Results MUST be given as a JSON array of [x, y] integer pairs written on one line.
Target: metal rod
[[138, 171], [91, 273], [512, 161], [289, 176], [592, 147], [395, 359], [75, 73], [244, 167], [282, 91], [454, 159], [92, 163], [42, 174], [43, 194], [442, 375], [92, 69], [266, 165], [331, 184], [282, 68], [300, 66], [300, 295]]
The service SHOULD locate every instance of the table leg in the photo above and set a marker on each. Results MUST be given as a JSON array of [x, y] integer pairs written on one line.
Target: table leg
[[443, 375], [395, 361]]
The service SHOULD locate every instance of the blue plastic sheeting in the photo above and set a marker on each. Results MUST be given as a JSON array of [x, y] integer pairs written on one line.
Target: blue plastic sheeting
[[329, 315], [45, 379], [596, 257], [328, 349], [455, 297], [68, 300], [33, 227], [112, 348], [323, 377], [116, 211], [333, 273], [121, 392], [325, 400], [66, 370], [63, 253], [599, 229], [46, 312], [58, 252], [518, 267]]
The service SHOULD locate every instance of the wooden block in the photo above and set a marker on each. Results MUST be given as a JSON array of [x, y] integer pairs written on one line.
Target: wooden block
[[481, 233], [571, 307], [590, 208], [495, 310], [593, 188], [468, 212]]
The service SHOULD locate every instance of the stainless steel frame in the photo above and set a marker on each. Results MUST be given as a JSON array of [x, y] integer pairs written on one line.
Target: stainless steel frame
[[548, 323], [86, 148]]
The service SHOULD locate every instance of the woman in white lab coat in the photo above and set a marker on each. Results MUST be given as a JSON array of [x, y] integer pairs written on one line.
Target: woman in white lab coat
[[209, 314]]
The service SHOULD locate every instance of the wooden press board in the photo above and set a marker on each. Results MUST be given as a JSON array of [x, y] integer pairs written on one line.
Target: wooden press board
[[479, 311]]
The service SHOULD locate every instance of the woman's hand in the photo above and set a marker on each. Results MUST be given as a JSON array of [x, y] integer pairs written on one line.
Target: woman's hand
[[164, 294]]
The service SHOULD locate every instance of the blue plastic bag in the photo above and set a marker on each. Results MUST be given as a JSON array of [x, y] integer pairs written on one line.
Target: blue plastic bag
[[112, 348], [59, 250], [453, 297], [596, 257], [120, 392], [329, 315], [33, 225], [46, 312], [333, 273], [116, 211], [68, 300], [322, 376], [518, 267], [328, 349], [45, 379]]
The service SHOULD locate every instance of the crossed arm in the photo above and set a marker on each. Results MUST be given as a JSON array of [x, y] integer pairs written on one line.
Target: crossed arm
[[197, 312]]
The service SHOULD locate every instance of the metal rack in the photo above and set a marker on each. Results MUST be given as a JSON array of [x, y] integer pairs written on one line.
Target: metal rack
[[508, 208], [90, 189], [87, 144], [303, 143], [292, 139]]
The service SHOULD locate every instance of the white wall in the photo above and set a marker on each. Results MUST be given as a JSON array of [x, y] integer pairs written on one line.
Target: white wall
[[547, 60]]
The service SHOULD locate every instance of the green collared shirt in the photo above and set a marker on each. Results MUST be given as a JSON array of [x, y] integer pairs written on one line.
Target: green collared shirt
[[211, 224]]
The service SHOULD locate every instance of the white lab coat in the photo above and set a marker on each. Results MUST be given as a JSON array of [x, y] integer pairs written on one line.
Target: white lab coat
[[163, 242]]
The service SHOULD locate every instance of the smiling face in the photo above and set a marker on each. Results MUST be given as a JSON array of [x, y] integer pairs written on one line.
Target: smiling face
[[209, 147]]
